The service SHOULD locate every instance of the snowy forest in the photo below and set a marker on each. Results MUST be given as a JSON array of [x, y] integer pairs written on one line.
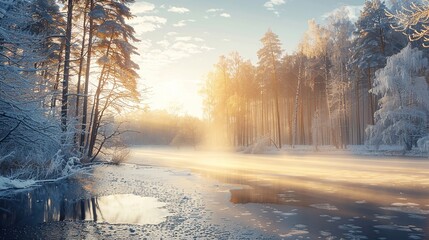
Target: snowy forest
[[346, 84], [65, 73], [107, 131]]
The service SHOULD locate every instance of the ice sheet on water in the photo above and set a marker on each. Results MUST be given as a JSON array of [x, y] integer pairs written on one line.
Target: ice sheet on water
[[325, 234], [300, 226], [416, 216], [387, 217], [325, 206], [405, 204], [411, 208], [394, 227], [293, 233]]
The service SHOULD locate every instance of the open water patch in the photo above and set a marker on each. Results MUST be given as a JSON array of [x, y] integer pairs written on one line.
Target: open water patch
[[54, 203]]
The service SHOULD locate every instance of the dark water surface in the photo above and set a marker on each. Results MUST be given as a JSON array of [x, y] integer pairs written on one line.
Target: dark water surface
[[63, 201]]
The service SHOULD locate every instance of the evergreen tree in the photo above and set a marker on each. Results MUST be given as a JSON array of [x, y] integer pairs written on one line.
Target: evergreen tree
[[375, 40], [404, 102], [269, 62]]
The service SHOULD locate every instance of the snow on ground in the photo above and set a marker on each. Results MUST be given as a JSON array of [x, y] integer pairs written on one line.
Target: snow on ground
[[7, 183], [363, 150]]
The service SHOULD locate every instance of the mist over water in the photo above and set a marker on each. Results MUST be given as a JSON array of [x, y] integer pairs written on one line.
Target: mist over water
[[339, 194]]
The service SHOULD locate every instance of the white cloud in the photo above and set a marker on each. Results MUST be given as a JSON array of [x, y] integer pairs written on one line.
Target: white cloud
[[186, 48], [213, 10], [182, 23], [169, 50], [188, 39], [143, 24], [206, 48], [185, 39], [272, 4], [172, 33], [180, 10], [142, 7], [353, 12], [144, 44], [163, 43]]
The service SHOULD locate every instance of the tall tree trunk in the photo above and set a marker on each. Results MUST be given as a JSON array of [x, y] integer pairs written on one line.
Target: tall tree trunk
[[79, 76], [83, 133], [64, 102], [95, 121], [276, 95], [57, 77], [295, 111], [82, 52], [371, 98]]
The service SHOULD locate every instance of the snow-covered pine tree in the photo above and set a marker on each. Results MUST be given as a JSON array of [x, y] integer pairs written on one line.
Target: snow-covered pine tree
[[374, 41], [404, 100], [269, 62], [29, 138]]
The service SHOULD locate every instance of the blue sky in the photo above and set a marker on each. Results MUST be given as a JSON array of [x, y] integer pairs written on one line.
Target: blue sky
[[182, 39]]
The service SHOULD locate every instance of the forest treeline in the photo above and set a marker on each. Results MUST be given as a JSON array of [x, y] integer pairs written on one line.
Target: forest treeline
[[160, 127], [66, 70], [330, 91]]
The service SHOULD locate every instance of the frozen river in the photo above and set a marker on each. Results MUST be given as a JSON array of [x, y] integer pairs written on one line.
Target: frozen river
[[186, 194]]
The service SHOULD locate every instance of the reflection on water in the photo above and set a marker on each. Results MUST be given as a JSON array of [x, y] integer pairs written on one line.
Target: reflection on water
[[52, 203], [342, 209], [127, 209], [324, 196]]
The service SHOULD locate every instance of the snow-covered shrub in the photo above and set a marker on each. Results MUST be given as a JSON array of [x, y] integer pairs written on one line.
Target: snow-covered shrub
[[119, 155], [260, 146], [423, 144], [404, 101]]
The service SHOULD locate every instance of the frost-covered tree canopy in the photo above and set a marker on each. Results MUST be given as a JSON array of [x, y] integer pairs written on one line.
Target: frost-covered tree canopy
[[39, 56], [29, 136], [411, 17], [404, 102], [375, 39]]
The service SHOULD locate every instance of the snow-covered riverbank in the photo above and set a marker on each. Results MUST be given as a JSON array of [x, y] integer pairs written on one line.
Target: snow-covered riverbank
[[184, 197]]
